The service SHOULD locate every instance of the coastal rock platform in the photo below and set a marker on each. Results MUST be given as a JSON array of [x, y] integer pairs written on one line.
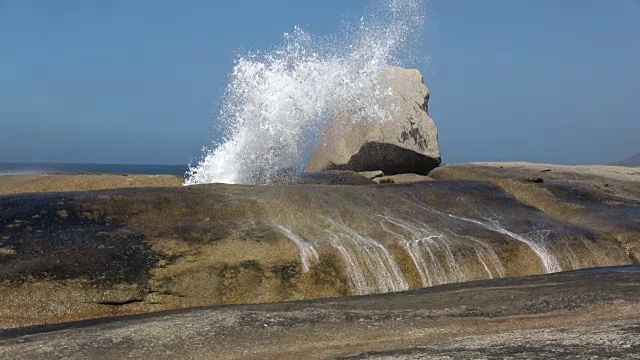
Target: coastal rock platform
[[68, 256], [39, 183], [586, 314]]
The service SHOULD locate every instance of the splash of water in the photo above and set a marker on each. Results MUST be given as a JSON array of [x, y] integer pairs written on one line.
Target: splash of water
[[277, 103]]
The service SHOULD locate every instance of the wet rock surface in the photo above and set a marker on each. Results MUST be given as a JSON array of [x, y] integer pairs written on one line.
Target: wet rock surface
[[372, 174], [401, 179], [605, 198], [52, 238], [583, 314], [331, 178], [73, 256], [613, 180]]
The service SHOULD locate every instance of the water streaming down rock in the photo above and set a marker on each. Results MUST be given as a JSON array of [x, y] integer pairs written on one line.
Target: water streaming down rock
[[160, 249], [438, 243], [276, 102], [547, 251], [307, 252], [548, 259], [392, 243], [425, 246], [366, 256], [369, 265]]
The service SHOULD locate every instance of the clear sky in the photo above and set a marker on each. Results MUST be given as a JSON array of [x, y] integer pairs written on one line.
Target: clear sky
[[122, 81]]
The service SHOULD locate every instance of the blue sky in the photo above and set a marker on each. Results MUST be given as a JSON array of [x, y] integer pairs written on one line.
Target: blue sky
[[138, 81]]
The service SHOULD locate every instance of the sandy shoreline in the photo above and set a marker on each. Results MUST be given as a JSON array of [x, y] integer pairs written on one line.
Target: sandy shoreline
[[33, 183]]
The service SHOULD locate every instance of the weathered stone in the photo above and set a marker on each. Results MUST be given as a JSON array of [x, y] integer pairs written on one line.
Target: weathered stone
[[384, 180], [72, 256], [613, 180], [332, 177], [372, 174], [534, 180], [604, 198], [592, 314], [407, 142], [402, 179]]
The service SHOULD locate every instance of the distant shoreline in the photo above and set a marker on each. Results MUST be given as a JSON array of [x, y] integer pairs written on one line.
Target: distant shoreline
[[22, 168], [45, 183]]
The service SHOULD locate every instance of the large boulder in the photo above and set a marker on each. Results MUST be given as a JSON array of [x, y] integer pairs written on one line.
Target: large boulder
[[407, 142]]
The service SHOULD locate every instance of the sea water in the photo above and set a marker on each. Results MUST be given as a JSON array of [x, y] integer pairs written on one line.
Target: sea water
[[277, 102]]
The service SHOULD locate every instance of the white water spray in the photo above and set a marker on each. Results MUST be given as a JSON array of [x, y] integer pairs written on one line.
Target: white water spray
[[276, 103]]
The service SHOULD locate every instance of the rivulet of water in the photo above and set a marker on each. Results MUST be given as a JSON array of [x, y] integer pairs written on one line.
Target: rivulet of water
[[389, 246]]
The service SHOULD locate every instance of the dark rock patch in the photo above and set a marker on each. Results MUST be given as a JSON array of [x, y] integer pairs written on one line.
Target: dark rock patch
[[330, 177], [55, 239], [390, 159]]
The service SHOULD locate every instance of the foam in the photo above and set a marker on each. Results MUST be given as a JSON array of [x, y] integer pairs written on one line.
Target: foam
[[277, 103]]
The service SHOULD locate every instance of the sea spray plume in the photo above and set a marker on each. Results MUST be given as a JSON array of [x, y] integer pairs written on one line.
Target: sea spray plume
[[277, 103]]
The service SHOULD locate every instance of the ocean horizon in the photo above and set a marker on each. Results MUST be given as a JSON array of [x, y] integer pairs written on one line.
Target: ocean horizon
[[21, 168]]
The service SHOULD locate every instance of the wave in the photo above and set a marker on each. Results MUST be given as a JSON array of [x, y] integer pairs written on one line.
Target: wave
[[277, 103]]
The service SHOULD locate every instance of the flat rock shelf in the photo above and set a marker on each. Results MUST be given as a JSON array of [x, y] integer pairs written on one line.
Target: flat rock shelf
[[584, 314]]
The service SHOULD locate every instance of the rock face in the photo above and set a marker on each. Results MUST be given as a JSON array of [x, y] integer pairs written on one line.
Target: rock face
[[401, 179], [80, 255], [612, 180], [330, 177], [586, 314], [581, 194], [405, 143]]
